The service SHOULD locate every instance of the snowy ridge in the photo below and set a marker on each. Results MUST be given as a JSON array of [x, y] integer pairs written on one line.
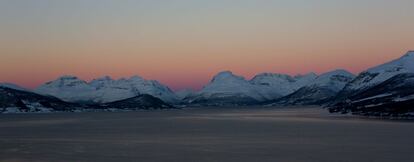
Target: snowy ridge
[[105, 89], [381, 73], [334, 80], [273, 86], [67, 88], [226, 84], [319, 91], [227, 88]]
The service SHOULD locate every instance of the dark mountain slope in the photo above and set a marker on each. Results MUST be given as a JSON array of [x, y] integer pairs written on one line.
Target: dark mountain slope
[[139, 102], [394, 96], [24, 101]]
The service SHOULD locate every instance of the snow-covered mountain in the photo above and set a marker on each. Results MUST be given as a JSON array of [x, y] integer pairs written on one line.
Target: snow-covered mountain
[[227, 89], [273, 86], [395, 95], [68, 88], [381, 73], [105, 89], [110, 90], [319, 91]]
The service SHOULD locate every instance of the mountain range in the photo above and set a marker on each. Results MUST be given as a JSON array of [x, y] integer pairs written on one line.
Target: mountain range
[[383, 90], [105, 89]]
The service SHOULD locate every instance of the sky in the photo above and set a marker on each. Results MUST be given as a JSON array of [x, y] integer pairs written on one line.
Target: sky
[[183, 43]]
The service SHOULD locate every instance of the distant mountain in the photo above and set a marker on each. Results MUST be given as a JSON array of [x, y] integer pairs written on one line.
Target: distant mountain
[[105, 89], [273, 86], [227, 89], [321, 90], [14, 100], [68, 88], [109, 89], [139, 102]]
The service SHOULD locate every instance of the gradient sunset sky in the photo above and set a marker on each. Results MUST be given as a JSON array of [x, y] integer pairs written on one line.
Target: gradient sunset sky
[[183, 43]]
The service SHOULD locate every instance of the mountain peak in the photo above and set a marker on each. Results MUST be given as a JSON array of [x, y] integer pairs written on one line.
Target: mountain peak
[[224, 75]]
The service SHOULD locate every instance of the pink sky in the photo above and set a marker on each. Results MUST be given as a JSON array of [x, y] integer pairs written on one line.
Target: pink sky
[[184, 43]]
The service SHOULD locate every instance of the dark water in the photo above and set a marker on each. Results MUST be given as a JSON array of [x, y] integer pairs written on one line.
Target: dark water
[[204, 135]]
